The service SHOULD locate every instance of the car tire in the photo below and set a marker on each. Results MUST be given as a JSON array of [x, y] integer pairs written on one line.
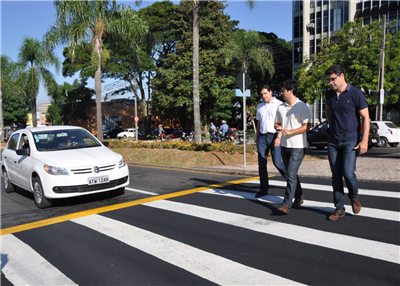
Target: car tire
[[394, 144], [118, 192], [382, 142], [38, 195], [8, 186], [125, 136]]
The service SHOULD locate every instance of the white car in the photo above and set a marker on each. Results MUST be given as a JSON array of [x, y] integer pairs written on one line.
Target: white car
[[130, 132], [59, 162], [388, 133]]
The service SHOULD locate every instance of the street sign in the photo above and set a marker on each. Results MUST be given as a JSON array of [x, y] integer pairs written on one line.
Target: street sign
[[382, 96], [239, 80], [240, 94], [136, 118]]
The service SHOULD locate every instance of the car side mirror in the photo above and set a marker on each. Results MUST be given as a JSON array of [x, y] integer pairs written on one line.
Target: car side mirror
[[105, 143], [23, 152]]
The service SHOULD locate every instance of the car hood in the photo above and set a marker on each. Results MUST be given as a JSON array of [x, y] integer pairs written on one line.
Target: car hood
[[79, 157]]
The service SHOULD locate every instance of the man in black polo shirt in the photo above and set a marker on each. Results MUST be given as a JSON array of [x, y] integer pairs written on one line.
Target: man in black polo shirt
[[345, 104]]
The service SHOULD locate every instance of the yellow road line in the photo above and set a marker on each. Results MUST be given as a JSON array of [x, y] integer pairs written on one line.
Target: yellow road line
[[68, 217], [184, 170]]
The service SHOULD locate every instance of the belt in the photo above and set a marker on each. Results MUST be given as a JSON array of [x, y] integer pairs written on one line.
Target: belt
[[268, 133]]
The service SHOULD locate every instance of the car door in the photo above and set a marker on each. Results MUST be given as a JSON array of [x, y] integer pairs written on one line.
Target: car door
[[23, 162], [9, 156]]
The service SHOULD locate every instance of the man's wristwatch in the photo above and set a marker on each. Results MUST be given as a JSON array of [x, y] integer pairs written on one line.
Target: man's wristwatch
[[279, 136]]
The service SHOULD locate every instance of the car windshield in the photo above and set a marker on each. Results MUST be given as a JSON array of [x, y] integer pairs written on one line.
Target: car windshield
[[54, 140]]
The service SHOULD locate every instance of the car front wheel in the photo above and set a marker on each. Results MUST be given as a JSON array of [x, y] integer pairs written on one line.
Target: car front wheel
[[8, 186], [382, 142], [38, 194]]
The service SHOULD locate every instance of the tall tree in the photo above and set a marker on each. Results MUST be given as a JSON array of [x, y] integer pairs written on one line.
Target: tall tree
[[80, 22], [356, 48], [173, 86], [70, 102], [12, 96], [195, 61], [36, 58], [248, 47]]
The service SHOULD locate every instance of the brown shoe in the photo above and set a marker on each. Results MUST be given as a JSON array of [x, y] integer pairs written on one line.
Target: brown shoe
[[338, 213], [284, 208], [297, 203], [356, 205]]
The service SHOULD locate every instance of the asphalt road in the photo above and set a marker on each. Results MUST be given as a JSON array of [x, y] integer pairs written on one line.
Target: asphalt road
[[178, 234]]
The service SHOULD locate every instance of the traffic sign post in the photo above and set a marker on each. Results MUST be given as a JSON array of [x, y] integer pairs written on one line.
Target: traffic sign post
[[243, 82]]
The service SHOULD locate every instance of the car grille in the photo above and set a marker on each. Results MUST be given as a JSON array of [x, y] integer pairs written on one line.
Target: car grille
[[90, 170], [90, 188]]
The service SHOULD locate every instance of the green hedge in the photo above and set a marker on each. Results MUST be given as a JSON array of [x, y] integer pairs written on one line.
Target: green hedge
[[228, 147]]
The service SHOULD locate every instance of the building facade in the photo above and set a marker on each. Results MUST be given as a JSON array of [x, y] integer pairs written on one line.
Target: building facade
[[315, 20]]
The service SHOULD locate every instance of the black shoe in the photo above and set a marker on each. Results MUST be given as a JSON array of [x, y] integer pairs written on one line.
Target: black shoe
[[261, 193], [297, 203]]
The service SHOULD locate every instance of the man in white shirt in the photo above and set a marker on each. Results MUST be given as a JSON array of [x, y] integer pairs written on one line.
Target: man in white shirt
[[292, 121], [265, 138]]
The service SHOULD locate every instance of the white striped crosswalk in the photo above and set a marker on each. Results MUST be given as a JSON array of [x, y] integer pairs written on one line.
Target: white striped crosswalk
[[23, 265]]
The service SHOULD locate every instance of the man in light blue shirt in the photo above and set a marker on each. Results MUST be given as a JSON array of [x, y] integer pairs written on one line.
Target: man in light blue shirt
[[223, 129]]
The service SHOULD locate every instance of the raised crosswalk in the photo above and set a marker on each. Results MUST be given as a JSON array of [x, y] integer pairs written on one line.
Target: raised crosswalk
[[221, 236]]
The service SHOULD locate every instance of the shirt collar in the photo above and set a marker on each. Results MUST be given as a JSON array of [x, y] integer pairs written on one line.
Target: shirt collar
[[297, 100]]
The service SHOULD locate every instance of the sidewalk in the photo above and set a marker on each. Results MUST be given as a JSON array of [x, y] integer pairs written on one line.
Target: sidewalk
[[368, 168]]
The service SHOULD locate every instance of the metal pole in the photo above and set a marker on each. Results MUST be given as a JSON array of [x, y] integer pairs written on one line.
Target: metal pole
[[136, 126], [381, 67], [244, 121]]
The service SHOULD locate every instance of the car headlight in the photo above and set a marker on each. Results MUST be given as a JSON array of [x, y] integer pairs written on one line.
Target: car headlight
[[55, 170], [121, 163]]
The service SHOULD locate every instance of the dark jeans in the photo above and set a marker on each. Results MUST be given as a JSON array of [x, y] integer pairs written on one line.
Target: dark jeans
[[266, 143], [342, 159], [292, 158]]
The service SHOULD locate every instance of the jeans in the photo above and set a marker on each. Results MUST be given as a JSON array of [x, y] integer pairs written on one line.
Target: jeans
[[292, 158], [266, 143], [342, 160]]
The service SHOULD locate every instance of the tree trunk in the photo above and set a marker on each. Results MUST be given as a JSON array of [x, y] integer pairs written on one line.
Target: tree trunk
[[34, 112], [196, 95], [99, 118]]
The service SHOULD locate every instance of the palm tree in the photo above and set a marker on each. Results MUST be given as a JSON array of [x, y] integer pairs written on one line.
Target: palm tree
[[247, 47], [80, 22], [35, 59]]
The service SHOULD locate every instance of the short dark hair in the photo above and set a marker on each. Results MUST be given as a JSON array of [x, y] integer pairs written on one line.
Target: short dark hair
[[334, 69], [290, 84], [265, 86]]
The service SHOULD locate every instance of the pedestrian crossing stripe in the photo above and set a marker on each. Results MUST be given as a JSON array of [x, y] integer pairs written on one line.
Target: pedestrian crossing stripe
[[365, 212], [24, 266], [360, 246], [318, 187], [68, 217], [199, 262]]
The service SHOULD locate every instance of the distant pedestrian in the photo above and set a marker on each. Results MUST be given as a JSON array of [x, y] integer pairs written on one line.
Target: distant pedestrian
[[11, 132], [222, 129], [345, 104], [266, 135], [293, 119], [160, 130]]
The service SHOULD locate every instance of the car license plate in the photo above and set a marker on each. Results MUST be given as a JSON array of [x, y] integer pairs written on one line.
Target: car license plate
[[98, 180], [374, 141]]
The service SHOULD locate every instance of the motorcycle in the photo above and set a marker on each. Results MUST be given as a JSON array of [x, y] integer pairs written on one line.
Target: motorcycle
[[161, 138]]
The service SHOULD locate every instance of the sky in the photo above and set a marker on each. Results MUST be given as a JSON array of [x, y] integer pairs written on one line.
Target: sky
[[21, 19]]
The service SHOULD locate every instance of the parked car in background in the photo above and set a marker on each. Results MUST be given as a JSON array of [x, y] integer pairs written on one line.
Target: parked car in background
[[57, 162], [389, 133], [317, 136], [129, 132], [113, 133]]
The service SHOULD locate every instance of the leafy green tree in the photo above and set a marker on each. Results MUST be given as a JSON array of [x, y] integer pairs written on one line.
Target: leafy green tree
[[81, 22], [356, 48], [282, 57], [247, 46], [70, 101], [173, 86], [36, 58]]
